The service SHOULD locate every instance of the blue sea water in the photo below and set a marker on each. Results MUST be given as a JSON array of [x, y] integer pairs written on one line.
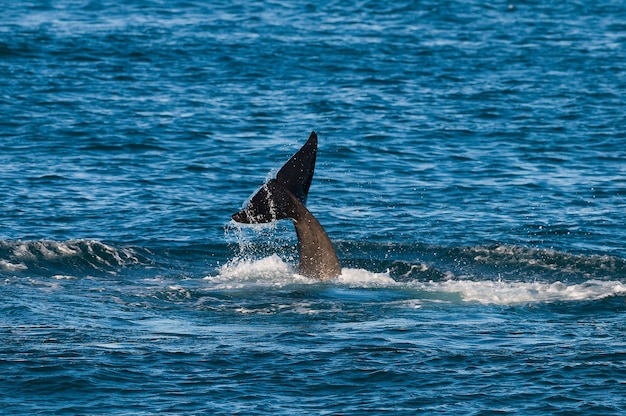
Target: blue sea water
[[471, 173]]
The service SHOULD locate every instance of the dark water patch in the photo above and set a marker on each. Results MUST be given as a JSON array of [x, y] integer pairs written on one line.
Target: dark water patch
[[49, 179], [607, 306], [103, 148], [198, 168]]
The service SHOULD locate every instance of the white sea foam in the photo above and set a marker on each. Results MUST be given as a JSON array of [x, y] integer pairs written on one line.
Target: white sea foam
[[509, 293], [364, 279], [269, 271], [11, 267], [63, 277], [274, 272], [47, 249], [268, 267]]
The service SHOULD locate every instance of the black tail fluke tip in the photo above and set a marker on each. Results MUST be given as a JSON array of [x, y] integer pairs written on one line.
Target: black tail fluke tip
[[271, 201]]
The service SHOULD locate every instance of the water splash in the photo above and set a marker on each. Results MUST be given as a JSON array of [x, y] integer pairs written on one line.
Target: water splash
[[244, 272]]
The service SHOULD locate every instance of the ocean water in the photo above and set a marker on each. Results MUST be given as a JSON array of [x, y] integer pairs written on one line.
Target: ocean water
[[471, 173]]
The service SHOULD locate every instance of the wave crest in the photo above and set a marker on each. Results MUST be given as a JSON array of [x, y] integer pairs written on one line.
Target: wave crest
[[77, 255], [273, 272], [546, 259], [512, 293]]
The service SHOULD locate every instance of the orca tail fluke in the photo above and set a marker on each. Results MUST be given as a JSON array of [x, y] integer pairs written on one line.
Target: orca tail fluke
[[271, 202], [296, 175], [285, 197]]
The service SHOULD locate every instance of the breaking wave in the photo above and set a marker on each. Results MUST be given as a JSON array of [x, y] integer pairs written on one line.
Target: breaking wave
[[492, 262], [46, 256], [547, 260], [496, 274], [273, 272], [511, 293]]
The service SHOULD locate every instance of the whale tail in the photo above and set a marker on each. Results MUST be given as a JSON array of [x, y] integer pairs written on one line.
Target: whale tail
[[285, 197], [271, 203]]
